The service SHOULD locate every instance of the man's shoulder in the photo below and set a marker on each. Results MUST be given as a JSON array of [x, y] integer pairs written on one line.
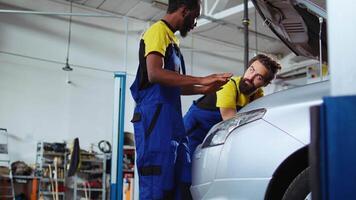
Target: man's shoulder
[[159, 25], [230, 86], [160, 30], [236, 78], [155, 28]]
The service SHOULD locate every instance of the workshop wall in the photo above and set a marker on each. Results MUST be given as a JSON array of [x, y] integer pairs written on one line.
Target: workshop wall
[[36, 101]]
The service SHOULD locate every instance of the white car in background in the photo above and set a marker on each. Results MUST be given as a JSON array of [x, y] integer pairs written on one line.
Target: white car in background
[[262, 153]]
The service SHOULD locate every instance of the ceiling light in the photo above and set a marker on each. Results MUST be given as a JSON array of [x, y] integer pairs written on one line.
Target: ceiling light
[[67, 67]]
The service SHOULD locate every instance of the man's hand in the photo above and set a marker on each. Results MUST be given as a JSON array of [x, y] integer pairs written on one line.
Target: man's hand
[[220, 79], [214, 82]]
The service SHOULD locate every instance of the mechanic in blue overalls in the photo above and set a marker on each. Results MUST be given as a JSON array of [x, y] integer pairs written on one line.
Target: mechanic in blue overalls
[[158, 122], [213, 108]]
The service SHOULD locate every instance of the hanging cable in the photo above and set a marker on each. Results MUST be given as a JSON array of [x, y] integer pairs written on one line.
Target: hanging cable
[[67, 67], [70, 30], [55, 62]]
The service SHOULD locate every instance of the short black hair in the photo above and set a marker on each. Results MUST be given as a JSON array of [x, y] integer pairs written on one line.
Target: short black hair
[[173, 5], [271, 65]]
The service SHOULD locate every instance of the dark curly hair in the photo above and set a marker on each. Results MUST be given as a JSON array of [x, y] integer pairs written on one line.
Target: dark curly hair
[[173, 5], [269, 63]]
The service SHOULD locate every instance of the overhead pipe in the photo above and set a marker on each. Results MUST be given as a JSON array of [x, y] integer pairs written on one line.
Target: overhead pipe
[[2, 11], [55, 62], [246, 23]]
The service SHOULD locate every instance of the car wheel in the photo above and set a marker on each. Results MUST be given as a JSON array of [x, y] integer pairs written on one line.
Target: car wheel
[[299, 188]]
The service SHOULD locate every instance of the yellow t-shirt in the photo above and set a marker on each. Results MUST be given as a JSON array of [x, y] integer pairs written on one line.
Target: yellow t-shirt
[[158, 37], [227, 96]]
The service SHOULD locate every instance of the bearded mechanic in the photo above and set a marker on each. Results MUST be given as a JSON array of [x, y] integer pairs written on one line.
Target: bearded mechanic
[[211, 109]]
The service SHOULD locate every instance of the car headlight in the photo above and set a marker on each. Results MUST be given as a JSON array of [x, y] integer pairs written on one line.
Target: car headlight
[[218, 134]]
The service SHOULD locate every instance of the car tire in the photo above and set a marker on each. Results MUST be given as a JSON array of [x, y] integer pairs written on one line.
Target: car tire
[[299, 189]]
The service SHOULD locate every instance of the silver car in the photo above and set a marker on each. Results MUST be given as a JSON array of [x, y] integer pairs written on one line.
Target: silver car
[[262, 153]]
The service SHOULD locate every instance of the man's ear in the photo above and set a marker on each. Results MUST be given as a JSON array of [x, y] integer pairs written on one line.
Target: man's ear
[[184, 10], [267, 83], [270, 80]]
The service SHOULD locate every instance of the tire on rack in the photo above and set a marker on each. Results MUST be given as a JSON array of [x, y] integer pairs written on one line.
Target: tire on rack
[[299, 189]]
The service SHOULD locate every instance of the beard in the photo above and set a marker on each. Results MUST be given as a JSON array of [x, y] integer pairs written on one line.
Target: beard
[[246, 88], [185, 27]]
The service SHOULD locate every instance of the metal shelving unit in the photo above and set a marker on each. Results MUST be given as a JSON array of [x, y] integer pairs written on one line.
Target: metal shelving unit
[[98, 160], [128, 172], [6, 192], [51, 170]]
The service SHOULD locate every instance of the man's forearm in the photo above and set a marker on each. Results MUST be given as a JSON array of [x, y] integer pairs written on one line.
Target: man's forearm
[[191, 90], [227, 113], [173, 79]]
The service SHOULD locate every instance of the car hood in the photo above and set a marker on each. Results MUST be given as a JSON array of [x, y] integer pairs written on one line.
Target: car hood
[[296, 23], [288, 110], [293, 96]]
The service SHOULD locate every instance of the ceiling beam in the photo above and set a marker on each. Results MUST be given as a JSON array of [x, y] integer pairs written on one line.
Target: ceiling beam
[[223, 14], [218, 5], [208, 4]]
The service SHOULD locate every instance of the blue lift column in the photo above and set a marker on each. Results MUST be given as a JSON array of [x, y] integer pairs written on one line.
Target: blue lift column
[[118, 137], [333, 149]]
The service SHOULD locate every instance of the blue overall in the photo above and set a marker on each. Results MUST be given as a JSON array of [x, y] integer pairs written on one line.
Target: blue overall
[[203, 114], [159, 130], [198, 122], [201, 117]]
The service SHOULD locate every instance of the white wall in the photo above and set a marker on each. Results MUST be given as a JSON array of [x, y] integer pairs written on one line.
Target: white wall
[[36, 103]]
